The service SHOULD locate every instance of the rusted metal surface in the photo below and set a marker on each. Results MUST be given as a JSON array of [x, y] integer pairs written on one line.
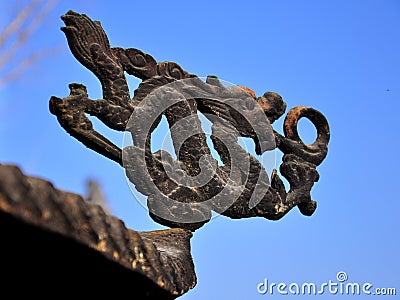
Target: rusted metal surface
[[235, 113], [82, 238]]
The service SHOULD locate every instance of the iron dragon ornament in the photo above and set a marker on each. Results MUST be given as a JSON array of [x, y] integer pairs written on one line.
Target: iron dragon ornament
[[182, 191]]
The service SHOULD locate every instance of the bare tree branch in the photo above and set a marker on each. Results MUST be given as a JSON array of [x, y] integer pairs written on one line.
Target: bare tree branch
[[18, 21], [15, 36], [17, 71]]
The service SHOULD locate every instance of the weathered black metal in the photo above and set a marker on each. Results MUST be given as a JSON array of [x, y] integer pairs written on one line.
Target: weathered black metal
[[56, 238], [90, 46]]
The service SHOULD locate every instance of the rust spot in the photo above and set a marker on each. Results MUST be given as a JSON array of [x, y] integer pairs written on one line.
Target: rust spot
[[160, 281], [262, 101], [102, 246], [134, 264], [46, 215], [250, 91], [292, 118], [296, 112], [4, 206], [85, 227], [116, 255], [288, 129]]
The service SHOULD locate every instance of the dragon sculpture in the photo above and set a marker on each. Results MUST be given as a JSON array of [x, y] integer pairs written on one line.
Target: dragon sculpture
[[182, 191]]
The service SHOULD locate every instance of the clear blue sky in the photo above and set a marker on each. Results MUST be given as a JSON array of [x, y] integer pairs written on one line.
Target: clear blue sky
[[340, 57]]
